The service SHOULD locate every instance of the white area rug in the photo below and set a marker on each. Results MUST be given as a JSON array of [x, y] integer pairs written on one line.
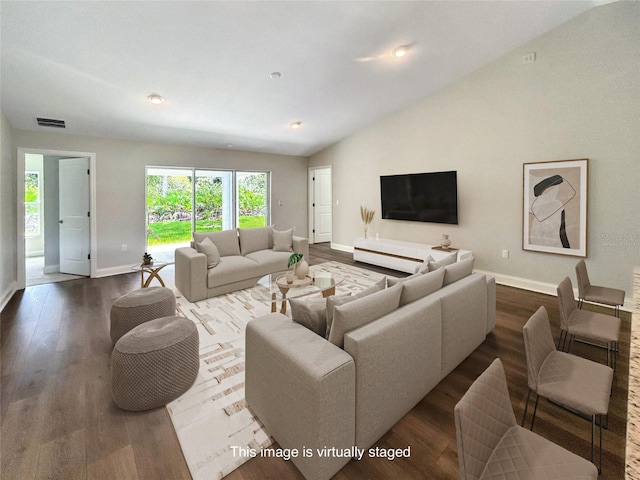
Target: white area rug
[[212, 416]]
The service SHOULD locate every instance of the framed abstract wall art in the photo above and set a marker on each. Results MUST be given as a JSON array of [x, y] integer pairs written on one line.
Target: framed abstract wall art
[[555, 207]]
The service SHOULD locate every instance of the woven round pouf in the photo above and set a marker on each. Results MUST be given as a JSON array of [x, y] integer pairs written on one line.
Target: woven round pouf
[[154, 363], [140, 306]]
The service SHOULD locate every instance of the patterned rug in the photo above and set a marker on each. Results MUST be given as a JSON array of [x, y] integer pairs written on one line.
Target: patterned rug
[[212, 416]]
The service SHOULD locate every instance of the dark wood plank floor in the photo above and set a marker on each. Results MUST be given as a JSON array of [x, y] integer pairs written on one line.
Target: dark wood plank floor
[[58, 419]]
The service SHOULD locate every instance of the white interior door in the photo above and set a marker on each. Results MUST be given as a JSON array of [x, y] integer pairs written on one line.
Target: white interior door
[[75, 233], [322, 214]]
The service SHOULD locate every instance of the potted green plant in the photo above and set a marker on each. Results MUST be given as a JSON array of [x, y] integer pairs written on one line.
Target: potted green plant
[[300, 266], [147, 259]]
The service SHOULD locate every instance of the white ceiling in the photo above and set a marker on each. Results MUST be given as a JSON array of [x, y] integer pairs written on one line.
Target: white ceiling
[[93, 64]]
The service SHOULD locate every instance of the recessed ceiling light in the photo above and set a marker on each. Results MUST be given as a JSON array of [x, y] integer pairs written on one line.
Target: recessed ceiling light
[[400, 51], [229, 145], [156, 99], [275, 75], [296, 124]]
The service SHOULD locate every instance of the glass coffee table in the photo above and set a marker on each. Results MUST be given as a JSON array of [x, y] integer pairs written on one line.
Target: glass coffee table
[[275, 288]]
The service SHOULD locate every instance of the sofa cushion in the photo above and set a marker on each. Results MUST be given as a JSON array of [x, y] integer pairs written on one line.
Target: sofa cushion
[[333, 301], [226, 241], [283, 240], [210, 250], [364, 310], [254, 239], [391, 281], [424, 266], [233, 268], [269, 260], [421, 286], [310, 313], [458, 270], [448, 260]]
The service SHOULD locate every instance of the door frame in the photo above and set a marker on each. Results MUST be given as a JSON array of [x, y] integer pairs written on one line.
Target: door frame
[[20, 250], [310, 197]]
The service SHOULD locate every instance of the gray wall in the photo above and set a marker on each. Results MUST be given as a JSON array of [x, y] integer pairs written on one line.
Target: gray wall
[[120, 192], [580, 99], [8, 233]]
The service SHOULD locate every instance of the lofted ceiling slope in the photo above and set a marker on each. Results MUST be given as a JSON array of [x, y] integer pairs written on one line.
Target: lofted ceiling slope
[[93, 64]]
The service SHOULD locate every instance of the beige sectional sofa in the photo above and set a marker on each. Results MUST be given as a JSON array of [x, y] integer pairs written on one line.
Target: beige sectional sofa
[[311, 393], [237, 259]]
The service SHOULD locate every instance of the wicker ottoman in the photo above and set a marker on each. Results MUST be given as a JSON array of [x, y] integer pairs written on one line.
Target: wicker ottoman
[[154, 363], [140, 306]]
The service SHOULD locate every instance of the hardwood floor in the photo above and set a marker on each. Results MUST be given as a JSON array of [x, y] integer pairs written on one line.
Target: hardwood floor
[[58, 419]]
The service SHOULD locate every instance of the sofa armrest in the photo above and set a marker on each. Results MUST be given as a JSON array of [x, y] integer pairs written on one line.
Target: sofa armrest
[[191, 273], [302, 388], [301, 245]]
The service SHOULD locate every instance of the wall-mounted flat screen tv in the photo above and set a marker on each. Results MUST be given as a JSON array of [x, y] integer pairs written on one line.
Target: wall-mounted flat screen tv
[[420, 197]]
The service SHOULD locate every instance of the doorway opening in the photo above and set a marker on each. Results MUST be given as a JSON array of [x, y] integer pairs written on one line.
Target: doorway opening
[[56, 195]]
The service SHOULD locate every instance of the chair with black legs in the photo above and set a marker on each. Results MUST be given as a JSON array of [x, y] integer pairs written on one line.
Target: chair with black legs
[[491, 445], [573, 382], [611, 297], [596, 327]]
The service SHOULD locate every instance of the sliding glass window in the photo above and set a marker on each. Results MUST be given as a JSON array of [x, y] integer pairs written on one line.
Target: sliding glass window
[[185, 200], [252, 199], [169, 206]]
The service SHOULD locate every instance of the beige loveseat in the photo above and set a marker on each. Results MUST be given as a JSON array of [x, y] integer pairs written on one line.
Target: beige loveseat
[[311, 393], [240, 257]]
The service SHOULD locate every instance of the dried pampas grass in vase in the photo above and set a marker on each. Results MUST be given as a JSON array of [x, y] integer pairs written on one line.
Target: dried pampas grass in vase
[[367, 217]]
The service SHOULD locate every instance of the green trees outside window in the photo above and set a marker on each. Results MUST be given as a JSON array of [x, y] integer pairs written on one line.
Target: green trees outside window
[[32, 204], [178, 205]]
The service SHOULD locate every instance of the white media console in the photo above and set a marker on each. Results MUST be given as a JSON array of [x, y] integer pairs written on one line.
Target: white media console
[[398, 255]]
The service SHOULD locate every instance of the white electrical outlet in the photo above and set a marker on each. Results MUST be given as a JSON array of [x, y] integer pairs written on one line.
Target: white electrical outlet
[[529, 58], [124, 247], [505, 253]]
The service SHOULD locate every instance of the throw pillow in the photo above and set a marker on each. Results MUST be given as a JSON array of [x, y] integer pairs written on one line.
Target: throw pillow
[[255, 239], [421, 286], [210, 250], [226, 241], [310, 313], [391, 281], [448, 260], [362, 311], [283, 240], [458, 270], [424, 266], [333, 300]]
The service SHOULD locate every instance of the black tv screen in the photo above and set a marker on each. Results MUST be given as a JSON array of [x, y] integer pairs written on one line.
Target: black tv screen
[[420, 197]]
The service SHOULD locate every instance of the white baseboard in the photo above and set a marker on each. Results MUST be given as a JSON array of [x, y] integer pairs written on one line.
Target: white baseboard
[[51, 269], [108, 272], [540, 287], [512, 281], [7, 294]]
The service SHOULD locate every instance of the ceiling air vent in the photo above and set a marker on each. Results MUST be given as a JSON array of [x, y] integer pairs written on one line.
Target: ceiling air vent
[[50, 122]]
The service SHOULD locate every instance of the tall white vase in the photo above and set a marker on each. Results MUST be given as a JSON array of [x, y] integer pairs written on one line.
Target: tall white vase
[[301, 269]]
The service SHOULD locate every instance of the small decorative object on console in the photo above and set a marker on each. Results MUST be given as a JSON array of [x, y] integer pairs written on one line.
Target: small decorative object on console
[[445, 243], [147, 259]]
